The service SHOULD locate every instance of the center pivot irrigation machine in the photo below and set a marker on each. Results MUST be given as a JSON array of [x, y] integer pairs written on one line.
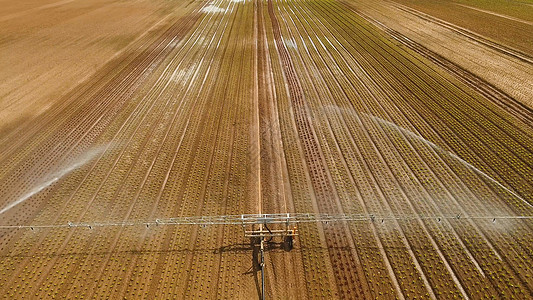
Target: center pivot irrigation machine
[[258, 229], [262, 229]]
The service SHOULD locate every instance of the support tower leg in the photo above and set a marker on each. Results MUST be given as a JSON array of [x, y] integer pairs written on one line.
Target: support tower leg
[[262, 265]]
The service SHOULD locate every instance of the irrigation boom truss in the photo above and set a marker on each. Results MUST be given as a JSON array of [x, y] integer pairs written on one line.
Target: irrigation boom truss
[[262, 228], [256, 219]]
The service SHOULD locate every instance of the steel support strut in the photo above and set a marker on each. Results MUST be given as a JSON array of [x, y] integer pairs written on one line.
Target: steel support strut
[[262, 265], [261, 219]]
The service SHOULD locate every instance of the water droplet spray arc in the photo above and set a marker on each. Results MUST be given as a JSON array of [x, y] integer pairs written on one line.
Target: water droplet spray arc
[[412, 135], [80, 161]]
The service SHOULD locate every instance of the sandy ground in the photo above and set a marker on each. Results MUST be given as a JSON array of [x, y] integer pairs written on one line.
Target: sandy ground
[[48, 47], [498, 15], [507, 22], [499, 67], [246, 107]]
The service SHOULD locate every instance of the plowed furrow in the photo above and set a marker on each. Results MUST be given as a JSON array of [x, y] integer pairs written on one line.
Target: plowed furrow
[[343, 259]]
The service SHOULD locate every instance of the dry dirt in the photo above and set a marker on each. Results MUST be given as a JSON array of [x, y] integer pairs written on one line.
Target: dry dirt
[[229, 107], [49, 47], [490, 57]]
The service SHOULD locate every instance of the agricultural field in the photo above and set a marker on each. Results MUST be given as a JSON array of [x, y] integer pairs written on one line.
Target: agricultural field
[[491, 39], [139, 111], [508, 22]]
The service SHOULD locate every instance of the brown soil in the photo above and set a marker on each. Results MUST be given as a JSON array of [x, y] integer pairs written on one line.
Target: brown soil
[[49, 47], [487, 56], [497, 24], [246, 107]]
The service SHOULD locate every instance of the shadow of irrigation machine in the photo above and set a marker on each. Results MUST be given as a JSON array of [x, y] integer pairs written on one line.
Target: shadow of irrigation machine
[[262, 229]]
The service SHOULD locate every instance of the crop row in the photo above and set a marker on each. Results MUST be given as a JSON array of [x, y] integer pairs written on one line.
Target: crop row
[[157, 129], [379, 135]]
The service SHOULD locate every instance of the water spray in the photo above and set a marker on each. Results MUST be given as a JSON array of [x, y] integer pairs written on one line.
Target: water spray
[[82, 160]]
